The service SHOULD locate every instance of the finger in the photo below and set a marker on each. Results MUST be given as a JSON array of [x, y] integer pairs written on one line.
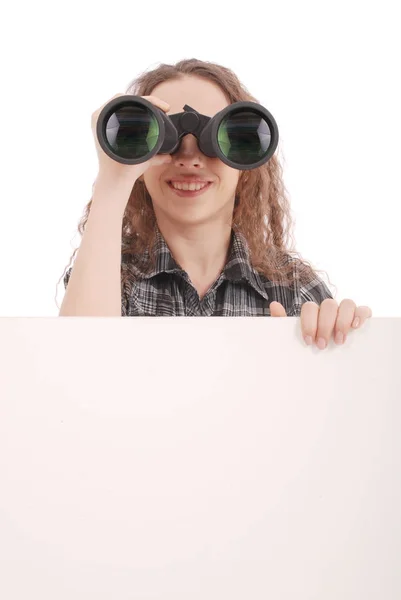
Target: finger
[[361, 314], [309, 320], [317, 322], [326, 321], [277, 309], [345, 316]]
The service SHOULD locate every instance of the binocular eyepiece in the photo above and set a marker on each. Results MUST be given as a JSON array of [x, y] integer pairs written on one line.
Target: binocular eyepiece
[[131, 130]]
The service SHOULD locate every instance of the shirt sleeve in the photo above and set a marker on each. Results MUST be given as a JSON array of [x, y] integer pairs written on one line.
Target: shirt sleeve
[[124, 303], [126, 287], [315, 290]]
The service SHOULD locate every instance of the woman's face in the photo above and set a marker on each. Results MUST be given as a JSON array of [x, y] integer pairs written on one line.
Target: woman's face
[[215, 203]]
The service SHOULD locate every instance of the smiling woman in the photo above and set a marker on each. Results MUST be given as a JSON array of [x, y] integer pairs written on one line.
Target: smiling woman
[[220, 249]]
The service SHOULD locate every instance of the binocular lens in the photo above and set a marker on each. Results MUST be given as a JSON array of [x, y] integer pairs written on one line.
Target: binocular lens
[[132, 131], [244, 137]]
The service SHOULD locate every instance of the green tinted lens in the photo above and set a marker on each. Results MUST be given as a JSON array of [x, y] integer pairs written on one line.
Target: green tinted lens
[[132, 131], [244, 137]]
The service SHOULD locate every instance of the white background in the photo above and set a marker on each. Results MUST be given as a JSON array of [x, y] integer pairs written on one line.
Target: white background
[[328, 72]]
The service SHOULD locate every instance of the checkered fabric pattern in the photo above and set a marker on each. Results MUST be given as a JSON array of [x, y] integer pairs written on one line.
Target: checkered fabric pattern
[[239, 291]]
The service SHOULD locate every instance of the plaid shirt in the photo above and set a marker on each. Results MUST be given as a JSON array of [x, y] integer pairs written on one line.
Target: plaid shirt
[[239, 291]]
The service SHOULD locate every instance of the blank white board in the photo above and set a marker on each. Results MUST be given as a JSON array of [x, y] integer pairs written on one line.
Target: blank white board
[[198, 459]]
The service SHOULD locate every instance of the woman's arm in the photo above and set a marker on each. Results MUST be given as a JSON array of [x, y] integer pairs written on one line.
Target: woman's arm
[[94, 286]]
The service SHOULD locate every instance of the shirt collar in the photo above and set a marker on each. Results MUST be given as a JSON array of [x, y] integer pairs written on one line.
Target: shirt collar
[[238, 266]]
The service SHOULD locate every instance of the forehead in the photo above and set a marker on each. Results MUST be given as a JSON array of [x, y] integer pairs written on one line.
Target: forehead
[[201, 94]]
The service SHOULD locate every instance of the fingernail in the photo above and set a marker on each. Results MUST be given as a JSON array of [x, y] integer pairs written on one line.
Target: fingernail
[[321, 343], [356, 322], [308, 340]]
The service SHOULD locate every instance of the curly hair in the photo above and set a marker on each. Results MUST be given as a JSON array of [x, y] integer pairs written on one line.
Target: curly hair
[[262, 211]]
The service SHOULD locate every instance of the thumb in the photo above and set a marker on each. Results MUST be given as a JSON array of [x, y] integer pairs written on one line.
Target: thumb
[[277, 309]]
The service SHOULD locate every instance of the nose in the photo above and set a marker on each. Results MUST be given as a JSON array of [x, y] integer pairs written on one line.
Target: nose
[[188, 152]]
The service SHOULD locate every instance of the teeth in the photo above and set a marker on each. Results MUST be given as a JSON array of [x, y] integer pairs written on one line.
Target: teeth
[[188, 186]]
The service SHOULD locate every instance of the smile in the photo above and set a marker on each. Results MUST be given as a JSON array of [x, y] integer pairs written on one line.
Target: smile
[[189, 193]]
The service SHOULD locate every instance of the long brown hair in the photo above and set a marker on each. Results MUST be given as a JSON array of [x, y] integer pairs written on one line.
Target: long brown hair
[[262, 212]]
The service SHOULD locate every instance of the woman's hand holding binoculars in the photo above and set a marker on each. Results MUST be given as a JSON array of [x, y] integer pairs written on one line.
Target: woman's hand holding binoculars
[[112, 173]]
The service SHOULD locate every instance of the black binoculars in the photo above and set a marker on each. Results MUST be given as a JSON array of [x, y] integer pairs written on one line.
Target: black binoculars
[[131, 130]]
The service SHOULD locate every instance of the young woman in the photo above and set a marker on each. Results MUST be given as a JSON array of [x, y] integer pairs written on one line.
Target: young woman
[[149, 250]]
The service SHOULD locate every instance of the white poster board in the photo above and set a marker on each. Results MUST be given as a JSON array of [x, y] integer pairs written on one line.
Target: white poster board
[[198, 459]]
